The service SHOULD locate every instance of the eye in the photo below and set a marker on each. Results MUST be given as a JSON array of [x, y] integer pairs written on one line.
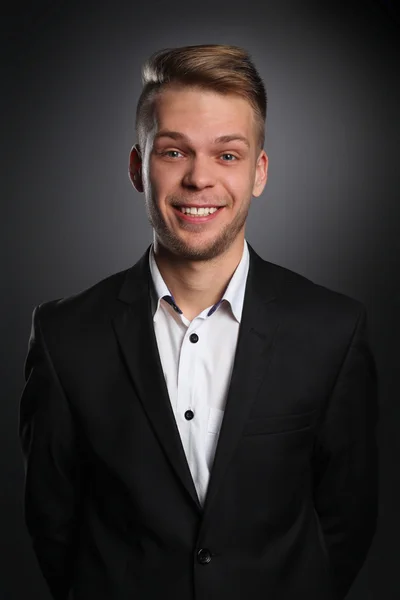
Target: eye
[[232, 156], [170, 153]]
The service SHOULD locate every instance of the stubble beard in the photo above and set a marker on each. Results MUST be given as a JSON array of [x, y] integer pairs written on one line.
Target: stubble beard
[[222, 242]]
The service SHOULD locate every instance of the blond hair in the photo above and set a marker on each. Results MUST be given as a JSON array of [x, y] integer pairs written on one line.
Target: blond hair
[[220, 68]]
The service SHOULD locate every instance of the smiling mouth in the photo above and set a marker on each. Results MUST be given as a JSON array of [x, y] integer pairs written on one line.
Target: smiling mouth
[[201, 215], [198, 212]]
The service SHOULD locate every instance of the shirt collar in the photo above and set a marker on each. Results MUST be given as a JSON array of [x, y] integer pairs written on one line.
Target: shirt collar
[[234, 292]]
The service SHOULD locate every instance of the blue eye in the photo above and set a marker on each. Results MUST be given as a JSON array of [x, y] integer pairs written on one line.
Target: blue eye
[[168, 153], [231, 155]]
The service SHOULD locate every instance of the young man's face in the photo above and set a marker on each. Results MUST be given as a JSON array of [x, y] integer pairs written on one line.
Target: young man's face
[[185, 164]]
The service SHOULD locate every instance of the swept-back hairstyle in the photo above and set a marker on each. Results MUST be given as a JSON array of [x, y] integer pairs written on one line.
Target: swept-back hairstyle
[[220, 68]]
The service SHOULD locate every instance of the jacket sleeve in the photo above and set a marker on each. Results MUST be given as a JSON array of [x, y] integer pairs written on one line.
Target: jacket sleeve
[[51, 474], [346, 462]]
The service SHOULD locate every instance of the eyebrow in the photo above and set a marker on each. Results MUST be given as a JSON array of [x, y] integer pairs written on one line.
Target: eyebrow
[[223, 139]]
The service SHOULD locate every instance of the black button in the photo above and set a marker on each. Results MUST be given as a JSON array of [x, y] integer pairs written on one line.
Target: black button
[[203, 556], [194, 338], [189, 414]]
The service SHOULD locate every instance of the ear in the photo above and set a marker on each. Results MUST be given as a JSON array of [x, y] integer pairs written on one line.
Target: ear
[[261, 174], [135, 168]]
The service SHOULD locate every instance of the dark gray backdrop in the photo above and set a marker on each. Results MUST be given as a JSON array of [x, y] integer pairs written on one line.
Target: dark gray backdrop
[[71, 80]]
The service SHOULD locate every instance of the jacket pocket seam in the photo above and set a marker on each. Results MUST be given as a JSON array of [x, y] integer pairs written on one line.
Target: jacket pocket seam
[[279, 424]]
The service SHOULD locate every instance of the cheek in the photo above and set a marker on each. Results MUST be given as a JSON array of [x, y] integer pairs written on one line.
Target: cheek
[[162, 177], [238, 184]]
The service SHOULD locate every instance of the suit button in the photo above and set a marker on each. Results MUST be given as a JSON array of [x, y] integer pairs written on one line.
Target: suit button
[[194, 338], [203, 556], [189, 414]]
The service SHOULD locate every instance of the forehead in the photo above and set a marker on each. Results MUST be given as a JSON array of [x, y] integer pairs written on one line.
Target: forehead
[[201, 113]]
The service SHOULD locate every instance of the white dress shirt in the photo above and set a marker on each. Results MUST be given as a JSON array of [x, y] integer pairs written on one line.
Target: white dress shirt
[[198, 373]]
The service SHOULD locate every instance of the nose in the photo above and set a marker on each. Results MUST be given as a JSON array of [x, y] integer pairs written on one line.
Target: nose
[[199, 173]]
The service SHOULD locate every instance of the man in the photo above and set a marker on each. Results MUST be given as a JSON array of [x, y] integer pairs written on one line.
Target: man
[[202, 424]]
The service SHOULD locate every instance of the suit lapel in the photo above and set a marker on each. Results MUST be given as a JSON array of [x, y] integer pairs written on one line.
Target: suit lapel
[[257, 334], [133, 325]]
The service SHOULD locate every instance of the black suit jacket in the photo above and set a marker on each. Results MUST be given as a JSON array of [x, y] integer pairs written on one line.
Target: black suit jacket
[[109, 500]]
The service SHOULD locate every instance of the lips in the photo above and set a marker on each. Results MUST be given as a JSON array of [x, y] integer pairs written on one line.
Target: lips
[[198, 219], [197, 206]]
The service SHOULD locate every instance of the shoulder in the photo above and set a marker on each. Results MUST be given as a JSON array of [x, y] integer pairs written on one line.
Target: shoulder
[[91, 305], [304, 298]]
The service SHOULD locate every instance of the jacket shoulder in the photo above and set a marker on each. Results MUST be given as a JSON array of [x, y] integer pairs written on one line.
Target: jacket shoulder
[[83, 307], [297, 290]]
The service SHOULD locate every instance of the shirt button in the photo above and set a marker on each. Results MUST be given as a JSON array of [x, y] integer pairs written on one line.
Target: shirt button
[[203, 556], [189, 414], [194, 338]]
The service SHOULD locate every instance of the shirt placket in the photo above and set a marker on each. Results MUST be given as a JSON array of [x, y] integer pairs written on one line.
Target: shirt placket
[[189, 398]]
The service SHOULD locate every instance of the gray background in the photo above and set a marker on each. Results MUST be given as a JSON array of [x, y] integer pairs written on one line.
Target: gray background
[[71, 80]]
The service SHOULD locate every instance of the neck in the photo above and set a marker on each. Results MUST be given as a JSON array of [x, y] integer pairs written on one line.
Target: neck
[[196, 285]]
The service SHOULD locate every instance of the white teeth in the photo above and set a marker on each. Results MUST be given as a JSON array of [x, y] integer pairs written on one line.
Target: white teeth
[[198, 211]]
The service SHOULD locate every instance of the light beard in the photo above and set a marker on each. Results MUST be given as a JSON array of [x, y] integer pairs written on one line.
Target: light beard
[[174, 244]]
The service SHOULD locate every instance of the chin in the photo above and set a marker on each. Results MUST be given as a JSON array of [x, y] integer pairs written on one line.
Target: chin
[[199, 250]]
